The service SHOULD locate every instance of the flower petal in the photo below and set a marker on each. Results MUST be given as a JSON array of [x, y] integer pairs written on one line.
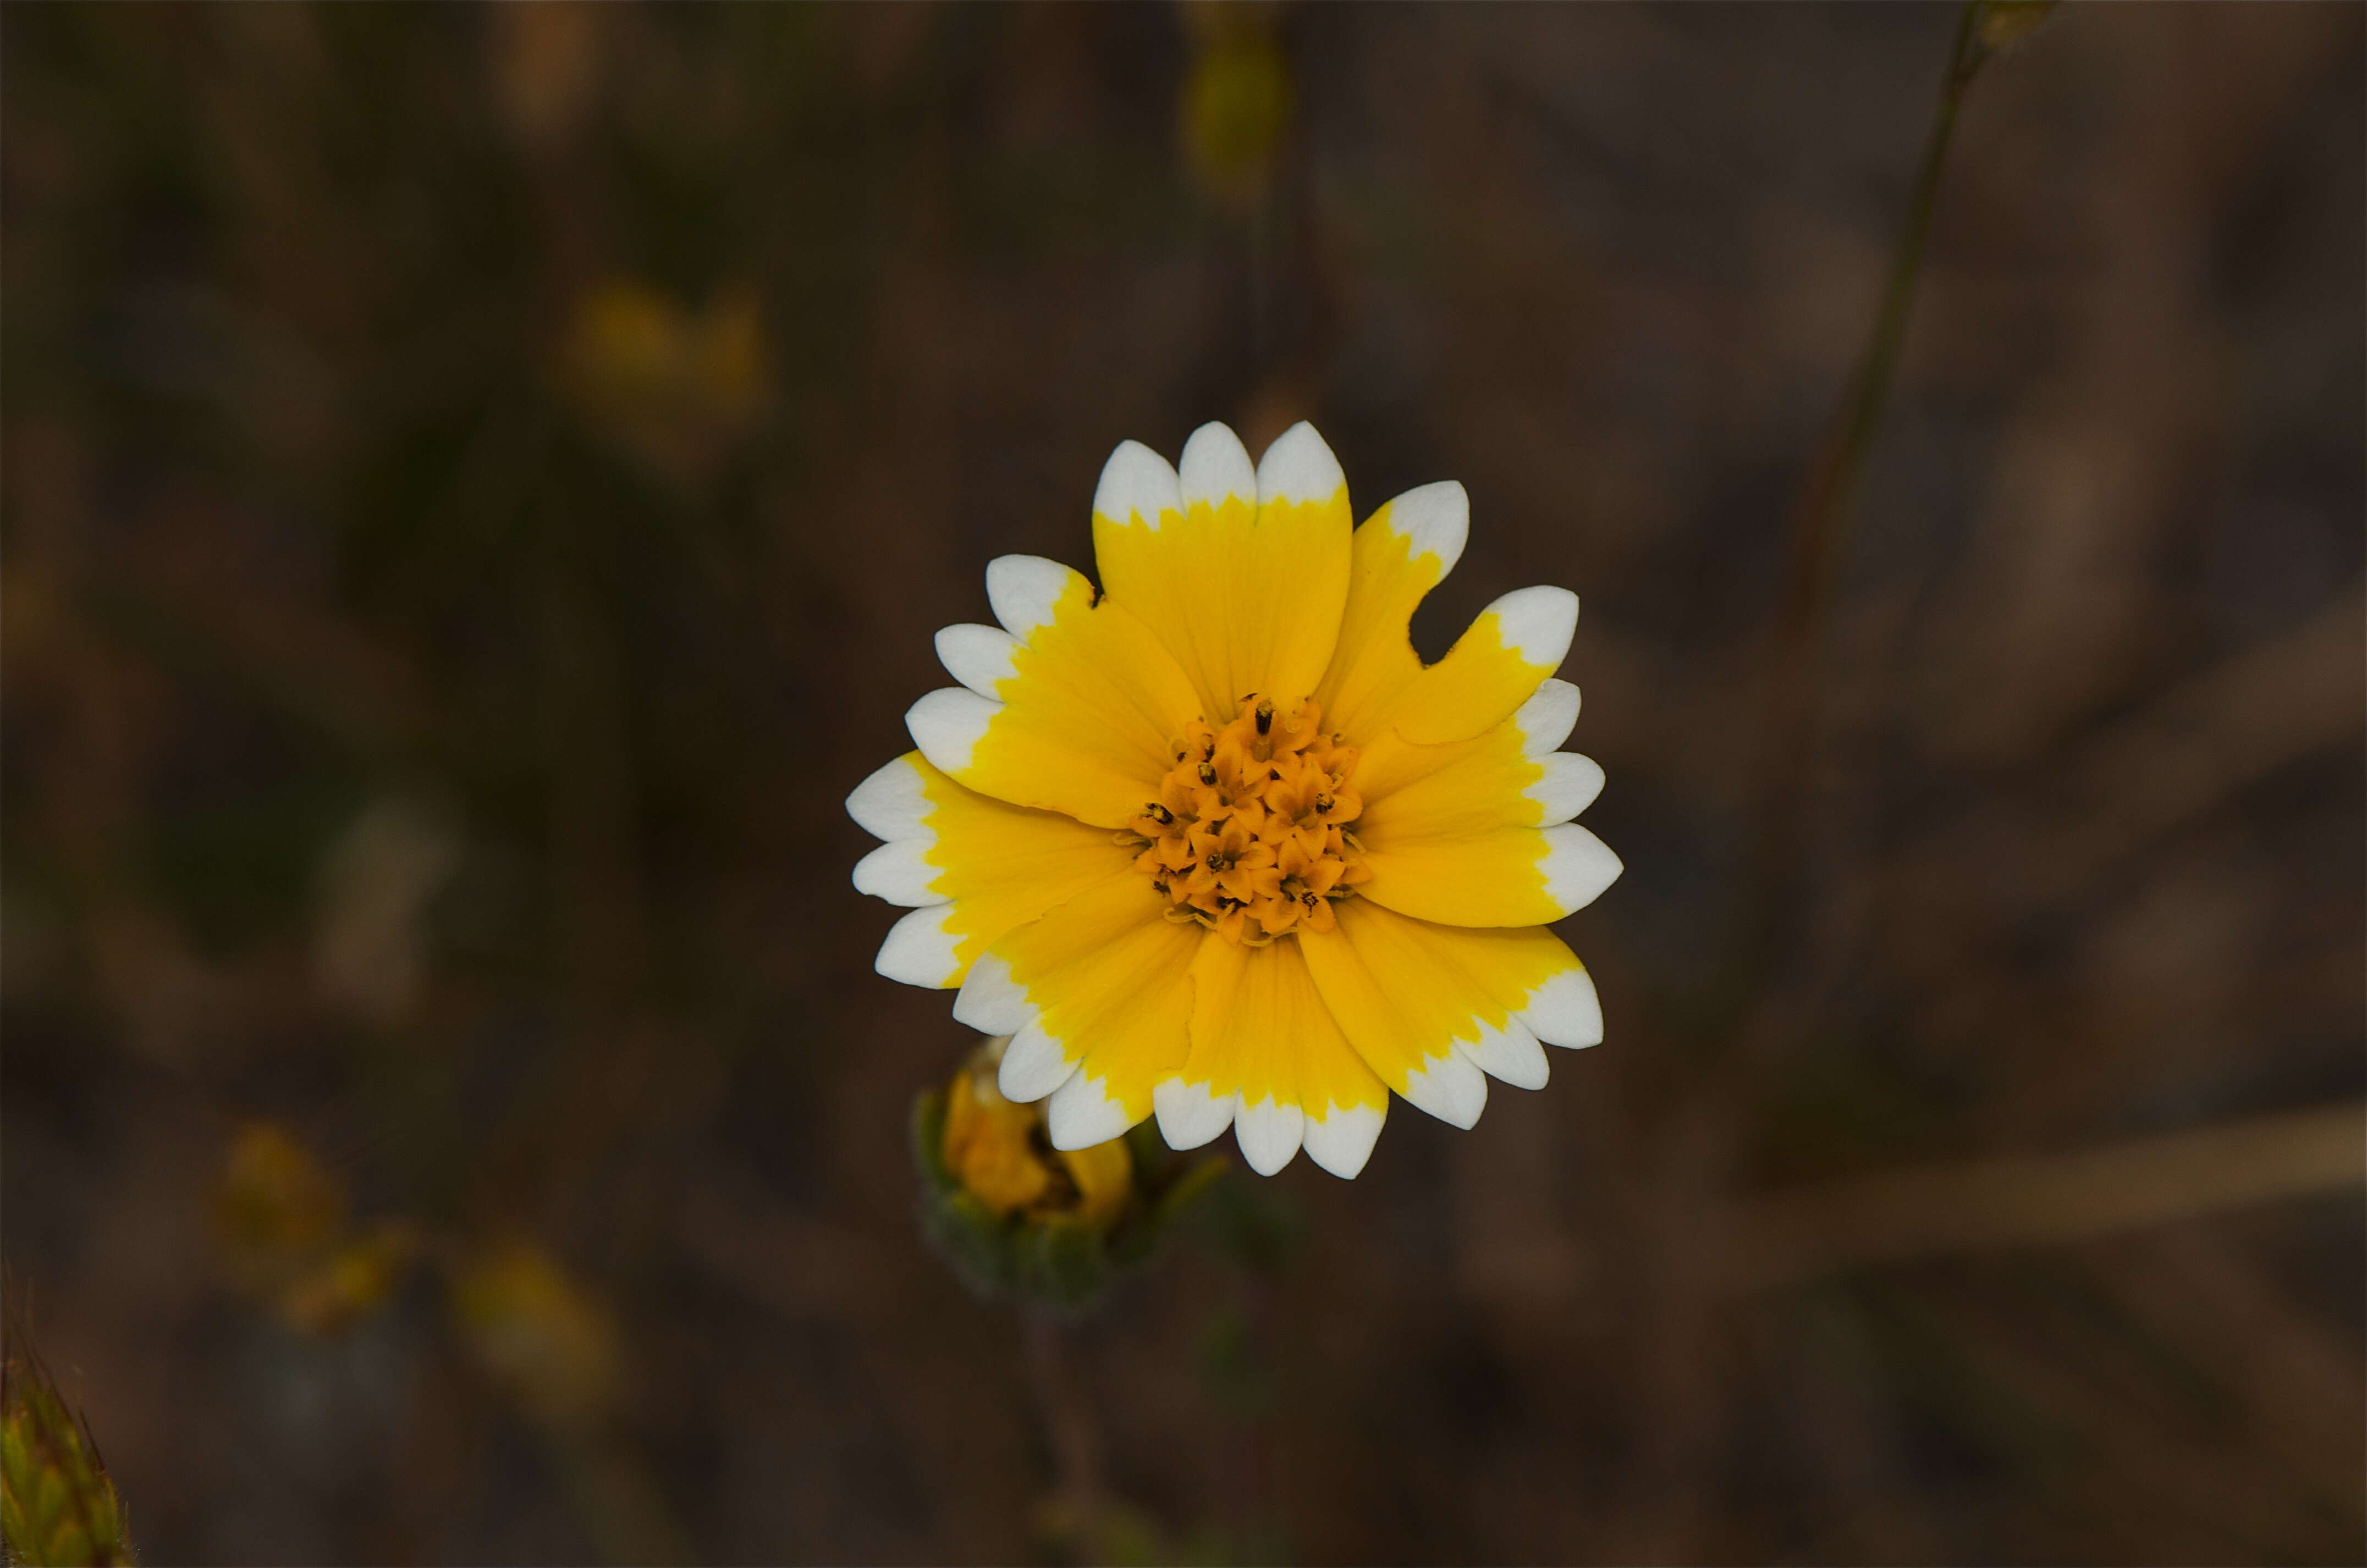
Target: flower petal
[[1341, 1141], [995, 865], [1083, 1112], [1400, 553], [1244, 579], [893, 802], [1469, 787], [1081, 723], [1508, 876], [1570, 787], [1139, 488], [1429, 1007], [900, 872], [1033, 1065], [1527, 973], [1545, 720], [1564, 1010], [1099, 988], [921, 951], [1492, 669], [981, 657], [1190, 1114], [1269, 1134], [1510, 1054], [1266, 1054]]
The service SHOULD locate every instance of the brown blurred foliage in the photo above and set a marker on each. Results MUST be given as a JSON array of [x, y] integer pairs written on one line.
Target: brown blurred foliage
[[476, 486]]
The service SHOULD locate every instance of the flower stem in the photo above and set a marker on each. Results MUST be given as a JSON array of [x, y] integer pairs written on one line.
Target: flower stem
[[1077, 1501], [1820, 520]]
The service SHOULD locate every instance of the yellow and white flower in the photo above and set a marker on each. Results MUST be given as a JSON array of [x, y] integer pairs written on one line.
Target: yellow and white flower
[[1214, 843]]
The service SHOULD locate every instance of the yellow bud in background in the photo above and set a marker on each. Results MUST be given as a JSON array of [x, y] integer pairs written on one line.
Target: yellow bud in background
[[627, 342], [989, 1143], [1014, 1217], [2003, 23], [1234, 110], [1103, 1175], [1000, 1153], [676, 388]]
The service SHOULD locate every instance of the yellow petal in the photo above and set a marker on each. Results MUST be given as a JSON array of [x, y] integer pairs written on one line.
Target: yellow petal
[[1264, 1045], [1401, 1009], [1402, 552], [1081, 723], [1429, 1005], [1242, 572], [1492, 669], [990, 866], [1097, 998], [1469, 787], [1389, 763], [1505, 876], [1376, 685]]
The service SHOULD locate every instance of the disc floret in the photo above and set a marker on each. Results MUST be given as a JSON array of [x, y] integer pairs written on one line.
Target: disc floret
[[1251, 832]]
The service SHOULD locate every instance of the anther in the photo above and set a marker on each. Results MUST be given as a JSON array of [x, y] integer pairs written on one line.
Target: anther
[[1264, 716], [1208, 772], [1165, 816]]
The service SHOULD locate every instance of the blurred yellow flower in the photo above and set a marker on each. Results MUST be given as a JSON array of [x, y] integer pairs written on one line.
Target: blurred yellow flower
[[538, 1332], [347, 1284], [281, 1233], [673, 386], [276, 1207]]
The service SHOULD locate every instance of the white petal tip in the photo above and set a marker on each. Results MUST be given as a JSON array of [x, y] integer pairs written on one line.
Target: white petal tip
[[1433, 519], [1081, 1113], [1566, 1010], [1576, 867], [919, 950], [1033, 1066], [991, 1001], [947, 724], [1215, 468], [1545, 720], [1269, 1134], [1137, 488], [1025, 592], [1570, 785], [1189, 1115], [1449, 1088], [1536, 623], [900, 872], [892, 803], [981, 657], [1298, 468], [1510, 1055], [1342, 1139]]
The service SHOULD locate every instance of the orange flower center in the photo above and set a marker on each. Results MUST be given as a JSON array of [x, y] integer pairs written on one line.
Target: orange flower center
[[1249, 834]]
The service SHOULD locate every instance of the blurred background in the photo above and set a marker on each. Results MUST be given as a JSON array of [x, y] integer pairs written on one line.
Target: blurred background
[[478, 486]]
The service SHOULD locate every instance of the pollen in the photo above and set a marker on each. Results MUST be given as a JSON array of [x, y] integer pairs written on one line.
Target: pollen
[[1252, 834]]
